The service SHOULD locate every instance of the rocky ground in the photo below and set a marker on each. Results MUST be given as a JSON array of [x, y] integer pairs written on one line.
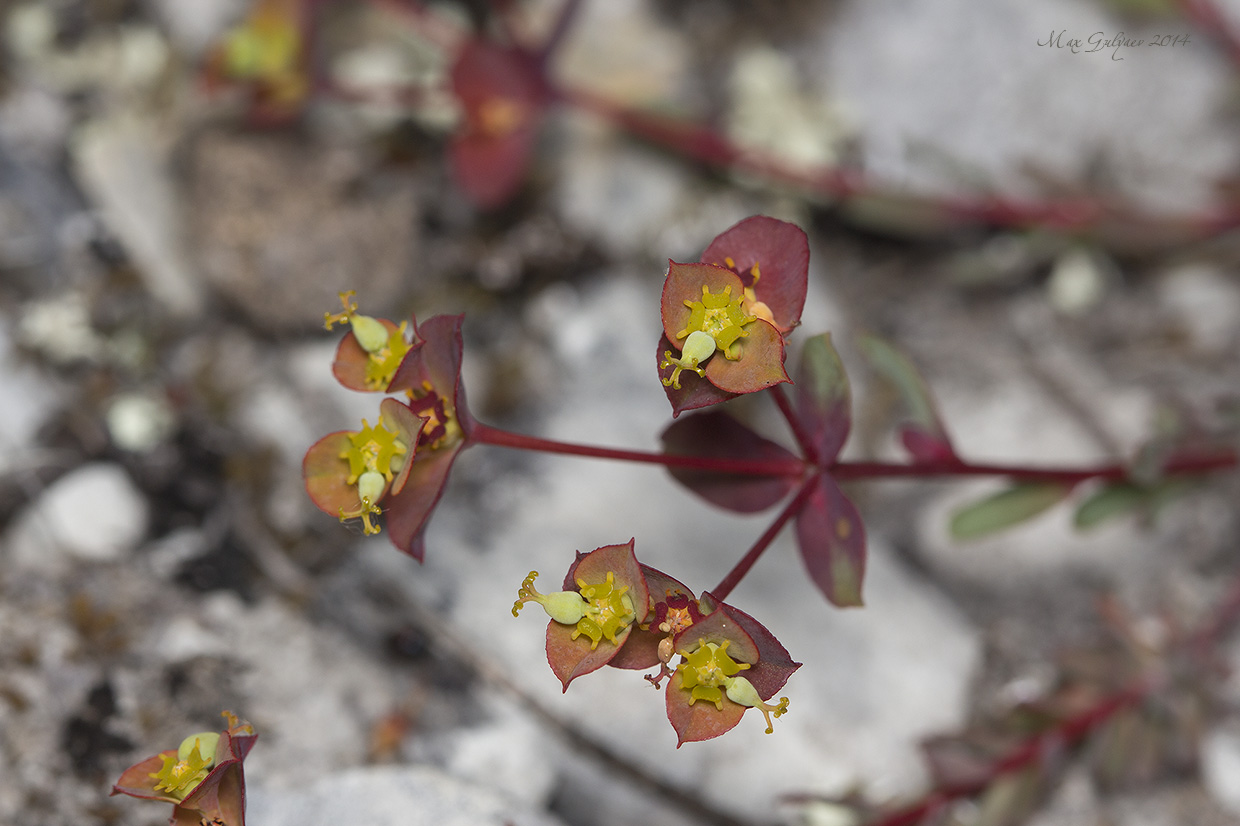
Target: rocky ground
[[163, 270]]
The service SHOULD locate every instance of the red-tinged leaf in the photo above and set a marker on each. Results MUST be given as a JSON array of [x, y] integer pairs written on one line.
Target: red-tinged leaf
[[823, 397], [684, 283], [503, 97], [642, 649], [931, 442], [779, 252], [398, 417], [138, 780], [720, 626], [717, 435], [570, 658], [1007, 508], [349, 368], [774, 664], [490, 170], [760, 365], [694, 392], [326, 474], [701, 720], [926, 447], [831, 537], [408, 512], [436, 360]]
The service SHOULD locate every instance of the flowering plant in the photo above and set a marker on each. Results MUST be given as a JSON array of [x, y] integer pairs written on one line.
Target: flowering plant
[[203, 778]]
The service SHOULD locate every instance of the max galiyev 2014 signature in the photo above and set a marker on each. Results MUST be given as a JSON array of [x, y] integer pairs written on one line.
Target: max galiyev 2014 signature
[[1098, 41]]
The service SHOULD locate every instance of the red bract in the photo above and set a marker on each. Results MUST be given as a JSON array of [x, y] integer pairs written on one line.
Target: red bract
[[605, 595], [503, 96], [404, 459], [371, 353], [616, 611], [432, 374], [725, 318], [772, 259], [348, 473], [203, 778], [729, 662]]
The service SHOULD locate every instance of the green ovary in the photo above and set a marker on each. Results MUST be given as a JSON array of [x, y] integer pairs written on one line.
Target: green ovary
[[180, 774]]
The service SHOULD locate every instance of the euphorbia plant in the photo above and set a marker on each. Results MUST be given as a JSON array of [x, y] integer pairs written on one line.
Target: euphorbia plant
[[726, 319], [203, 778]]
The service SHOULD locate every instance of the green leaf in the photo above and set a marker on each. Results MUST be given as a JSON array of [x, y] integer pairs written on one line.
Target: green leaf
[[1109, 502], [1002, 510]]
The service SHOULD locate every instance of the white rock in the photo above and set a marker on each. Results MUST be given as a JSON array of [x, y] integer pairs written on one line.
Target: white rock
[[1220, 767], [944, 92], [389, 796], [1206, 303], [94, 513], [121, 163], [196, 24]]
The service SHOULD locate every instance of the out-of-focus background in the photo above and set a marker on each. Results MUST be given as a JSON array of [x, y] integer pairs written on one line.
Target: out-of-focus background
[[168, 246]]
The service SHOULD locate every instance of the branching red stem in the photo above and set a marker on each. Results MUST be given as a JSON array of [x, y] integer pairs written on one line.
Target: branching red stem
[[808, 448], [764, 541], [485, 434]]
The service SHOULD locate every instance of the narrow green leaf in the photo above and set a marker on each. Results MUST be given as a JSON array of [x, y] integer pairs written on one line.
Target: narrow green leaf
[[1108, 502], [1007, 508]]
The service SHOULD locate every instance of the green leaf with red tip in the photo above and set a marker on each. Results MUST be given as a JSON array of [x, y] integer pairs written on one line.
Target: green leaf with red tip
[[823, 398], [1008, 508], [923, 433], [780, 253], [717, 435], [831, 538], [571, 658]]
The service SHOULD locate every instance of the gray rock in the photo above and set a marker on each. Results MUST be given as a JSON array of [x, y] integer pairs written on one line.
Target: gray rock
[[389, 796], [94, 514]]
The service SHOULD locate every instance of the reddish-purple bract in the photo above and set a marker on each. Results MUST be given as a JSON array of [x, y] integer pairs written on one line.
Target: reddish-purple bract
[[717, 435], [220, 795], [503, 97], [823, 400], [780, 252], [436, 363], [831, 538], [570, 658]]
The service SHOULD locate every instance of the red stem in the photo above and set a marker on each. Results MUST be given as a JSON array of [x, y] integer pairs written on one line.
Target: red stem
[[1184, 465], [484, 434], [751, 556], [808, 448]]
